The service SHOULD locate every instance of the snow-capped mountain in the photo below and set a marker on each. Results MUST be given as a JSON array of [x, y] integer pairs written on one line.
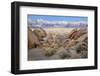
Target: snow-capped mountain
[[47, 24]]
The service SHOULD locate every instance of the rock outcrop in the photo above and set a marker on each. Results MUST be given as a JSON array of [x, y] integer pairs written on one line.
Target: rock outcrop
[[35, 36], [76, 33], [73, 45]]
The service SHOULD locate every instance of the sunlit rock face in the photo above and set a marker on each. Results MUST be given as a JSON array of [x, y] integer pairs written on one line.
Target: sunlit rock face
[[35, 36]]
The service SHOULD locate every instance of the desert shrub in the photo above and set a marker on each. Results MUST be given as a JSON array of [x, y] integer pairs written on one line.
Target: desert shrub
[[70, 43], [50, 51], [81, 47], [65, 55], [54, 57], [84, 54]]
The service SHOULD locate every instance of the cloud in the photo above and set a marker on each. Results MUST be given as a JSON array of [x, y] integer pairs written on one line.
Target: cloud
[[46, 23]]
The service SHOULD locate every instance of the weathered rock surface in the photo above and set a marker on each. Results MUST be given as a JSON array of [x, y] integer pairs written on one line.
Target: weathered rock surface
[[34, 37], [66, 46], [76, 33]]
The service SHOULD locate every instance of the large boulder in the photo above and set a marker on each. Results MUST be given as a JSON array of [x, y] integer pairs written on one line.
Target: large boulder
[[76, 33], [72, 34], [32, 39], [35, 36], [40, 33]]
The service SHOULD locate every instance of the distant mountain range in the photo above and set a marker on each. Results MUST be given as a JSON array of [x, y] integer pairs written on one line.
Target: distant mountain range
[[52, 24]]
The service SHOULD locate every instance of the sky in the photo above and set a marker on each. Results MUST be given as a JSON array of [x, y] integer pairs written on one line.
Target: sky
[[58, 18]]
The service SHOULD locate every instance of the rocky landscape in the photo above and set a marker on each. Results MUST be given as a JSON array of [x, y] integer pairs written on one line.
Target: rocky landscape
[[44, 45]]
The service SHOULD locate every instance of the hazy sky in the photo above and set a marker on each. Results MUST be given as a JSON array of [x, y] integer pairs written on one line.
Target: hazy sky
[[58, 18]]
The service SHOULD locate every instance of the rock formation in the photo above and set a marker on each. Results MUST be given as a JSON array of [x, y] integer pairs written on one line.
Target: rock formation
[[40, 33], [35, 36], [76, 33], [73, 45]]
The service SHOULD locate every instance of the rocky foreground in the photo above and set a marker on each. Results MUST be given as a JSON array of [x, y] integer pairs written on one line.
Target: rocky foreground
[[50, 46]]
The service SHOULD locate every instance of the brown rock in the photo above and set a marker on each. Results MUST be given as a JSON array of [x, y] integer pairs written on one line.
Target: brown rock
[[75, 33], [34, 37], [40, 33], [70, 44]]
